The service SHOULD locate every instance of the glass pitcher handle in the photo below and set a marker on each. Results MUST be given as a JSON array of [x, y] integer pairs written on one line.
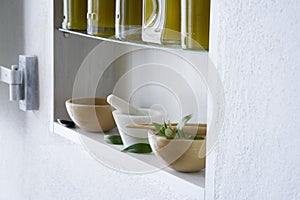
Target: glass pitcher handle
[[154, 12]]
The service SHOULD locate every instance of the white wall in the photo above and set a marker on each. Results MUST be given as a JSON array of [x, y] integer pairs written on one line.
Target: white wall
[[256, 45], [11, 141]]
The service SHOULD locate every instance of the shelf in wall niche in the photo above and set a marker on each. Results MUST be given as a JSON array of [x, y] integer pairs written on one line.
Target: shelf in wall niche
[[143, 164], [136, 43]]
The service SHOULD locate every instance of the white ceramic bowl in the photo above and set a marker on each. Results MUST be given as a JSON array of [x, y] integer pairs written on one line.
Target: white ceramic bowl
[[132, 136]]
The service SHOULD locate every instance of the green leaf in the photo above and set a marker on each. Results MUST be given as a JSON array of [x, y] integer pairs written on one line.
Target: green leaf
[[169, 133], [171, 127], [165, 125], [196, 138], [113, 139], [160, 130], [138, 148], [181, 125], [157, 126]]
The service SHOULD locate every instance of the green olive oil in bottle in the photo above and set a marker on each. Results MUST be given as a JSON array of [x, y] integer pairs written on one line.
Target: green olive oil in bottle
[[75, 14]]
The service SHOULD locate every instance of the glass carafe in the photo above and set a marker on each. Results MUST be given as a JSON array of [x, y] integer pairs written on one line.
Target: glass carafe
[[195, 24], [101, 17], [129, 19], [161, 22], [75, 14]]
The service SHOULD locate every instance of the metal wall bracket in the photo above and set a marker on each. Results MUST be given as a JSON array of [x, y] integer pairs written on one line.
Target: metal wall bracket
[[23, 82]]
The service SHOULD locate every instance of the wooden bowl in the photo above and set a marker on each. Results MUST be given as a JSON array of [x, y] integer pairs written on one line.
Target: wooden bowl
[[91, 114], [182, 155]]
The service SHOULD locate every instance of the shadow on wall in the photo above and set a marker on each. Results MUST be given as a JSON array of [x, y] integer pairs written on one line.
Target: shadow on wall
[[11, 45]]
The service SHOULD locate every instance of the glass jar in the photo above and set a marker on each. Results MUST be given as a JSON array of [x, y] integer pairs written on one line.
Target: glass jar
[[161, 22], [75, 14], [101, 17], [129, 19], [195, 24]]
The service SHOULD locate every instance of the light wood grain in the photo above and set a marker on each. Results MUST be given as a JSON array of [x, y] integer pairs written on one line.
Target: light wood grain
[[189, 129]]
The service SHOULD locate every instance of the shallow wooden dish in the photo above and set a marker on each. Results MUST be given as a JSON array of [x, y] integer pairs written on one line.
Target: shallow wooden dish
[[180, 154], [91, 114]]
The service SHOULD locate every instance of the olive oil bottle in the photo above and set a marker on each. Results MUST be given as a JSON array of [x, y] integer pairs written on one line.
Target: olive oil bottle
[[75, 14], [171, 34], [195, 24], [101, 17], [129, 19], [161, 22]]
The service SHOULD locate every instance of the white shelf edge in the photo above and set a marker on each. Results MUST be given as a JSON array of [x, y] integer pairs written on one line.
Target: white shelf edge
[[192, 182], [140, 44]]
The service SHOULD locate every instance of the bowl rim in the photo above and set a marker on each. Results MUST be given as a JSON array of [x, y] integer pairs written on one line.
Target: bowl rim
[[70, 101], [155, 113], [151, 133]]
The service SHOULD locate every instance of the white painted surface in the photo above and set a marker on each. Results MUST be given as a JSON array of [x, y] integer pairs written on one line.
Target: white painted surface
[[137, 74], [121, 60], [193, 183], [11, 141], [256, 45]]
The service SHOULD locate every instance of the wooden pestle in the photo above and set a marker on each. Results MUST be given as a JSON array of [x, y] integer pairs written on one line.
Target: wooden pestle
[[189, 129]]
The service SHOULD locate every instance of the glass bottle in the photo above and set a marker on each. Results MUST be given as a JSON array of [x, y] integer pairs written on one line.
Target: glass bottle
[[161, 22], [129, 19], [101, 17], [195, 24], [75, 14]]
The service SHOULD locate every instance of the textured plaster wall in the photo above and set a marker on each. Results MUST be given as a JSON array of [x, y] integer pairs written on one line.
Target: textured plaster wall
[[256, 46], [11, 141]]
